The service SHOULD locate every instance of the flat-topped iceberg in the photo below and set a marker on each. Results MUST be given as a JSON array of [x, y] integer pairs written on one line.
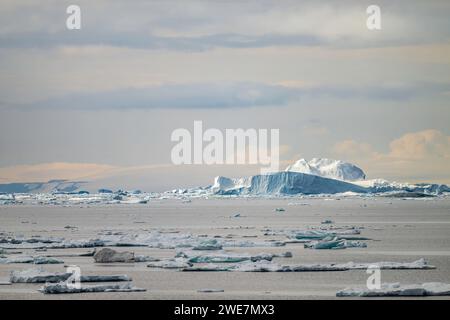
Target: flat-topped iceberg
[[287, 183]]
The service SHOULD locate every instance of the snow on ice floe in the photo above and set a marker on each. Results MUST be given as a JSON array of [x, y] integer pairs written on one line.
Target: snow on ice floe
[[399, 290]]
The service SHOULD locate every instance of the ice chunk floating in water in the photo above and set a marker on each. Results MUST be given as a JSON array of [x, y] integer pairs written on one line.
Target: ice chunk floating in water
[[399, 290], [266, 266], [64, 287], [334, 243], [42, 276], [30, 259]]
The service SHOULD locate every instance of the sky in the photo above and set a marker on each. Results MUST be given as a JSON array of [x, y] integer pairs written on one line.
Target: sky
[[100, 103]]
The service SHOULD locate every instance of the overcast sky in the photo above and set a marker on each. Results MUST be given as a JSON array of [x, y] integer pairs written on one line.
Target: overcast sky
[[101, 102]]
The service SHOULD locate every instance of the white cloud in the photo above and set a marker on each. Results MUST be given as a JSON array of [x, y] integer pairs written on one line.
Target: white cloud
[[417, 156]]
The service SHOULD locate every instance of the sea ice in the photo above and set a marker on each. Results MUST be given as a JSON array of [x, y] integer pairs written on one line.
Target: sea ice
[[210, 244], [267, 266], [37, 276], [177, 263], [210, 290], [41, 276], [64, 287], [334, 243], [107, 255], [396, 289], [30, 259], [223, 257]]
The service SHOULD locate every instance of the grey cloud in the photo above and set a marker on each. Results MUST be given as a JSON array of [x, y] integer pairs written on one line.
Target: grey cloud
[[203, 25], [232, 95]]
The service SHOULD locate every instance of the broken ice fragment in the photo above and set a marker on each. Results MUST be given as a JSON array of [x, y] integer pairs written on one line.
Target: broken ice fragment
[[30, 259], [396, 289], [142, 258], [224, 257], [41, 276], [107, 255], [210, 290], [210, 244], [267, 266], [334, 243], [37, 276], [105, 278], [64, 287], [177, 263]]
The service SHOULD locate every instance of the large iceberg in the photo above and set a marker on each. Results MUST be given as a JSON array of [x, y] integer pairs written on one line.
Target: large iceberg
[[319, 176], [328, 168], [283, 183]]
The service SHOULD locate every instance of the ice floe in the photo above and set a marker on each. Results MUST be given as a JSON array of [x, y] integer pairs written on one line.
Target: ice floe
[[210, 290], [152, 239], [30, 259], [267, 266], [176, 263], [334, 243], [42, 276], [226, 257], [399, 290], [64, 287], [107, 255]]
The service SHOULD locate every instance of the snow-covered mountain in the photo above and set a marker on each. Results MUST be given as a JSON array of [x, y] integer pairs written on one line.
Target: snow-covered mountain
[[328, 168]]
